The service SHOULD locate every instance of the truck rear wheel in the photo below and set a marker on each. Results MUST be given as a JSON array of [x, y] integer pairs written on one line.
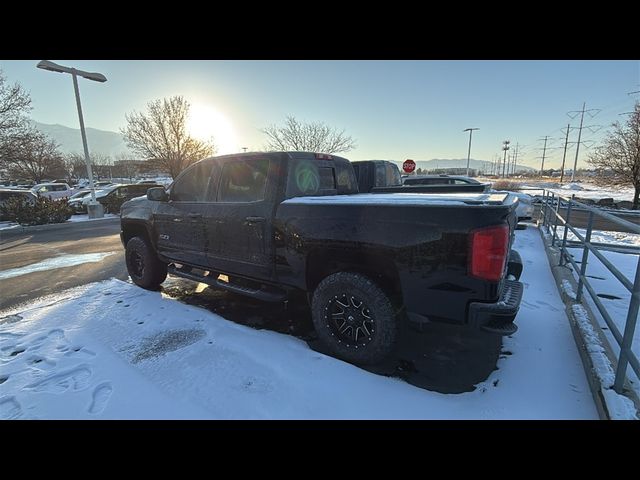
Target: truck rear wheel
[[354, 318], [143, 265]]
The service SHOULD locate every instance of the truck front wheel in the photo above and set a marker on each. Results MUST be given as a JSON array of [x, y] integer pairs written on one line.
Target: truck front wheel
[[354, 318], [143, 265]]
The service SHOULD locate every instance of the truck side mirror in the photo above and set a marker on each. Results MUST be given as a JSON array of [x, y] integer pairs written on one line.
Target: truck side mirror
[[157, 194]]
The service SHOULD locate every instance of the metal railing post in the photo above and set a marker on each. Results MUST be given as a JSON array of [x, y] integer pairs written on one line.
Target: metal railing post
[[555, 223], [585, 256], [541, 206], [543, 210], [547, 212], [566, 230], [629, 329]]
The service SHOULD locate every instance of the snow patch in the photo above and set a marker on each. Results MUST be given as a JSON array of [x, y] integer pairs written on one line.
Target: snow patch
[[619, 406], [601, 364], [567, 288], [572, 186], [85, 218], [53, 263], [383, 199]]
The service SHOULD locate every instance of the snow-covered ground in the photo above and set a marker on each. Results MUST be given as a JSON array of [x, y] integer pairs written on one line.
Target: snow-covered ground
[[602, 236], [613, 295], [585, 190], [113, 350], [73, 219]]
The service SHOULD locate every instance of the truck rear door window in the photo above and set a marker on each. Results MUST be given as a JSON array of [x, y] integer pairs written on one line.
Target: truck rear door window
[[244, 180]]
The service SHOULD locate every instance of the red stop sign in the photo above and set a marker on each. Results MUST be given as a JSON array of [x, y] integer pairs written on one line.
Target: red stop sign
[[409, 166]]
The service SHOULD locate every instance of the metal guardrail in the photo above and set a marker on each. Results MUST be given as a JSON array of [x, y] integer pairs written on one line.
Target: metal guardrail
[[551, 218]]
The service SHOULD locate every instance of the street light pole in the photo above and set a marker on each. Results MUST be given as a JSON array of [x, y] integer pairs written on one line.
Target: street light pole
[[470, 130], [94, 209], [87, 159]]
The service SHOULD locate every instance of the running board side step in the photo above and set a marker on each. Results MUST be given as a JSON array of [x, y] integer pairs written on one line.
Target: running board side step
[[264, 293]]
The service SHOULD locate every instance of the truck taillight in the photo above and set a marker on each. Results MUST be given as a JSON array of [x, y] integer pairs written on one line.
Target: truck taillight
[[488, 252]]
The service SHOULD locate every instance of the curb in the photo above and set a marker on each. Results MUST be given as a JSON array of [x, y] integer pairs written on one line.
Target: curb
[[52, 226], [596, 354]]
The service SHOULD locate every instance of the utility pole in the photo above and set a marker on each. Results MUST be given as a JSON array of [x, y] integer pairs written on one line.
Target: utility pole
[[505, 147], [512, 164], [581, 112], [564, 155], [470, 130], [575, 162], [544, 151]]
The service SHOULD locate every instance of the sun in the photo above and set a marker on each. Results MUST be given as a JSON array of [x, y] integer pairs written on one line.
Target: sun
[[206, 122]]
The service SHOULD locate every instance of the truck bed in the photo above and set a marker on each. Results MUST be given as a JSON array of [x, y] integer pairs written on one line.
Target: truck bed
[[403, 199]]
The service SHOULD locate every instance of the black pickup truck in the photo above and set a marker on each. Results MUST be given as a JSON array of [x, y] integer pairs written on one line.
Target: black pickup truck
[[383, 176], [267, 224]]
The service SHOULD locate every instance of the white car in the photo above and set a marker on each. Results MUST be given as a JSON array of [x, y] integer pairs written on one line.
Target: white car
[[53, 191], [525, 209], [525, 206]]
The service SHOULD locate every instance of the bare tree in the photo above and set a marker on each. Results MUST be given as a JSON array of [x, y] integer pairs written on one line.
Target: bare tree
[[14, 104], [620, 152], [75, 165], [14, 123], [161, 135], [125, 167], [307, 137], [34, 156]]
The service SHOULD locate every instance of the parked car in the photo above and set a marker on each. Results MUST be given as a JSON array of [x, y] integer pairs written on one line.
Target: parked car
[[525, 204], [79, 195], [53, 191], [265, 225], [6, 194], [440, 180], [111, 197], [446, 182]]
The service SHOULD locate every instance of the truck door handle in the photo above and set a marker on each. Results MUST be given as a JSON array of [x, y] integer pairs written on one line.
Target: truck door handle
[[252, 220], [195, 215]]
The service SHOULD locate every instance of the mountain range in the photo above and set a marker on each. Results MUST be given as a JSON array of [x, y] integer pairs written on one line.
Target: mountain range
[[100, 141]]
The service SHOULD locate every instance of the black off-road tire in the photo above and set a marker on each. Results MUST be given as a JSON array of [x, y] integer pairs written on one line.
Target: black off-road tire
[[143, 265], [350, 335]]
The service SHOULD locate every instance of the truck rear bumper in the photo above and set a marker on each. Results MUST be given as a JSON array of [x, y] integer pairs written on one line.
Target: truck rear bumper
[[498, 317]]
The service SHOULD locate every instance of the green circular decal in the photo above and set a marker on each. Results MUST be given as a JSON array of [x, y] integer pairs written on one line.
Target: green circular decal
[[307, 178]]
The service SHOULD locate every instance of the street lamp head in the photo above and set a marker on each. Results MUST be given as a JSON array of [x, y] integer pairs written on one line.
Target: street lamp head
[[54, 67]]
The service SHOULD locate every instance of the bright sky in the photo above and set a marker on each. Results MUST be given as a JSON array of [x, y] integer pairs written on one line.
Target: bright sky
[[394, 109]]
